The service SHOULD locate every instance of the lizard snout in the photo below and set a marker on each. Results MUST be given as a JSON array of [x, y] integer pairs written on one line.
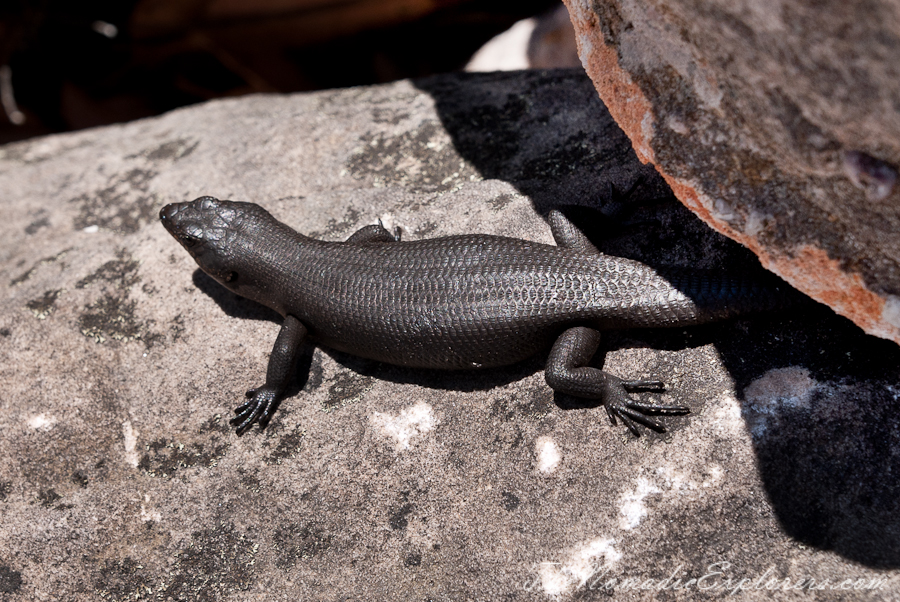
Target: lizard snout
[[168, 215]]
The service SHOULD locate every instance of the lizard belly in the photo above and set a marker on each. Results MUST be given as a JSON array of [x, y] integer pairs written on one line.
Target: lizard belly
[[441, 341]]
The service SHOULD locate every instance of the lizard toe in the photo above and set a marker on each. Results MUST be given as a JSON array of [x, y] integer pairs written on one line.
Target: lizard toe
[[258, 408], [619, 405]]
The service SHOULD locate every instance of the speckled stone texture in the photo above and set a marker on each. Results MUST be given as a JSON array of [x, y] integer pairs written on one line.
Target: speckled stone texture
[[778, 123], [120, 364]]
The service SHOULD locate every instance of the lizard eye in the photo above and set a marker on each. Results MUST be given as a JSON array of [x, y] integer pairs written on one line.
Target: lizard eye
[[189, 241]]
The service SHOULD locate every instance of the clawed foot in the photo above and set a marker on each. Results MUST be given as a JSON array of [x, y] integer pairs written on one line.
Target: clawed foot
[[620, 197], [619, 405], [259, 407], [621, 207]]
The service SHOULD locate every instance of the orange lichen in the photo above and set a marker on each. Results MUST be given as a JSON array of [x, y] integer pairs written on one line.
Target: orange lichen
[[822, 278], [808, 268], [624, 98]]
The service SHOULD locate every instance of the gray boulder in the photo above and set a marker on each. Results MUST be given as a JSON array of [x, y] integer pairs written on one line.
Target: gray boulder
[[120, 364]]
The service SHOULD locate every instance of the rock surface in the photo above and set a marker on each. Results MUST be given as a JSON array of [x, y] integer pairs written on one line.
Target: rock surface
[[120, 364], [778, 124]]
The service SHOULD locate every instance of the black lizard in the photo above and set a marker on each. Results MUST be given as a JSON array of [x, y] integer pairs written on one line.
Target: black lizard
[[458, 302]]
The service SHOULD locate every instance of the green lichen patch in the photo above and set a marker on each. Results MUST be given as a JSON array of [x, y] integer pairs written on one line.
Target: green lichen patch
[[10, 580], [124, 205], [164, 457], [43, 306], [170, 151], [5, 490], [295, 542], [121, 271], [121, 580], [347, 388], [27, 274], [215, 565], [112, 317], [423, 159], [289, 445]]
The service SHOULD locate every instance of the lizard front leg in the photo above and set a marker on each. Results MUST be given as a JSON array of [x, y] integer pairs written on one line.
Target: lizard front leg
[[374, 233], [567, 372], [262, 401]]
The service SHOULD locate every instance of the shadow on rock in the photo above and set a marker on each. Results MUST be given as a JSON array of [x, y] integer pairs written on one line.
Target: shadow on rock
[[820, 398], [825, 422], [234, 305]]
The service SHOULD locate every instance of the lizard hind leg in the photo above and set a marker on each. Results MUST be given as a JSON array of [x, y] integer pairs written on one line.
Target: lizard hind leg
[[618, 210], [567, 372], [567, 235]]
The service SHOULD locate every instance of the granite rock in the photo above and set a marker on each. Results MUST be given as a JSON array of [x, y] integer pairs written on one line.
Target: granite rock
[[777, 124], [120, 363]]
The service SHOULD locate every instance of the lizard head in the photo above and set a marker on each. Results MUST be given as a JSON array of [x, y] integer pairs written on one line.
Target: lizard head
[[224, 239]]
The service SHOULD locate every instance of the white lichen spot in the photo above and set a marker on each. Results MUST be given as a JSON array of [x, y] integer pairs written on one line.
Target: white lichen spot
[[130, 435], [91, 229], [715, 476], [677, 126], [547, 453], [891, 311], [726, 415], [648, 129], [722, 210], [411, 422], [586, 47], [673, 480], [779, 388], [633, 509], [148, 515], [707, 89], [756, 223], [41, 422], [580, 567]]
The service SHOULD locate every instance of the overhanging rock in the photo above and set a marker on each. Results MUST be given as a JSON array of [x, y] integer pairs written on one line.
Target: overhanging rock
[[777, 124]]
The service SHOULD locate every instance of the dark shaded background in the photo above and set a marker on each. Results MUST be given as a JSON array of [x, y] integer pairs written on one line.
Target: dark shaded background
[[71, 70]]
